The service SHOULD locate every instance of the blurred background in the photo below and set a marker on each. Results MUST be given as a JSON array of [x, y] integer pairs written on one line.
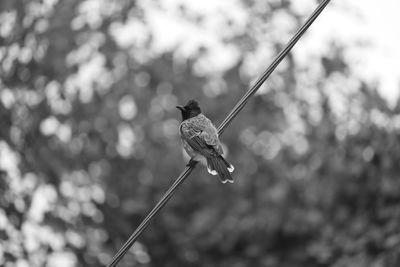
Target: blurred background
[[89, 133]]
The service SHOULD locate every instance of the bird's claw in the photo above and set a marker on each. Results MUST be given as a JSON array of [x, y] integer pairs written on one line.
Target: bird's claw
[[191, 163]]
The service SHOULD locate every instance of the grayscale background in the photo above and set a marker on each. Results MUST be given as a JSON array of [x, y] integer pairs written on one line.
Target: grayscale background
[[89, 133]]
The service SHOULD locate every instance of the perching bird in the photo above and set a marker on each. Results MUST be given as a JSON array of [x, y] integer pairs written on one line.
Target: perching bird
[[200, 140]]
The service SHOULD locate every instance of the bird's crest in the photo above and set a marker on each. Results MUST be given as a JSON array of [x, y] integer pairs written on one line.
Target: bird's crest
[[192, 105], [190, 110]]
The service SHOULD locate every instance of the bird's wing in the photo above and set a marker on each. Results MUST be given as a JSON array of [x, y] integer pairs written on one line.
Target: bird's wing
[[193, 134], [210, 136]]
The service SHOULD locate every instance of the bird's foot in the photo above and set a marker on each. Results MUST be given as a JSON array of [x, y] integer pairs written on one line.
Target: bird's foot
[[191, 163]]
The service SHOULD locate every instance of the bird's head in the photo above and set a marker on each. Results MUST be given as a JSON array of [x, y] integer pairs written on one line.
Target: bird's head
[[190, 110]]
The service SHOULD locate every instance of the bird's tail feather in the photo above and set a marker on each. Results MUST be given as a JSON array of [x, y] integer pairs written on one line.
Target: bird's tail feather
[[218, 165]]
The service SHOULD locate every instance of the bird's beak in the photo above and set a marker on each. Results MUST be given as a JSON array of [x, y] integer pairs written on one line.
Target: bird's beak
[[180, 108]]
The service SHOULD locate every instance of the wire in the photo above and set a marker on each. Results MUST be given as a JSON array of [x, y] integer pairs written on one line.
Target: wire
[[242, 102], [235, 111], [152, 213]]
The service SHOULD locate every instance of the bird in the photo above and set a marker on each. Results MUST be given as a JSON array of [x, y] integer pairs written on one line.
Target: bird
[[200, 141]]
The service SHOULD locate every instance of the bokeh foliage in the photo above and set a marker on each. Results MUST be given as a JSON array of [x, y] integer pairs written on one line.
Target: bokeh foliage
[[89, 142]]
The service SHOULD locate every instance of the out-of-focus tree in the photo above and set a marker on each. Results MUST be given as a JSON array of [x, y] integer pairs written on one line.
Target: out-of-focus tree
[[89, 140]]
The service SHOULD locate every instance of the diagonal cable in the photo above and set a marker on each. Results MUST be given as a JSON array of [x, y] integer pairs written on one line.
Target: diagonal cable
[[235, 111]]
